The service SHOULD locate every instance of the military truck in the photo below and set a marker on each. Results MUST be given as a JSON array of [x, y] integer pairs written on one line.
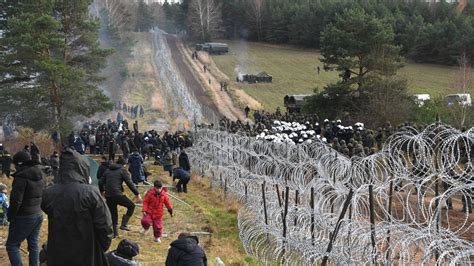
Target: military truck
[[294, 103], [213, 48]]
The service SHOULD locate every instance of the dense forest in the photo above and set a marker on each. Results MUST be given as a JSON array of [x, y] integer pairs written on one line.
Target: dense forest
[[425, 32]]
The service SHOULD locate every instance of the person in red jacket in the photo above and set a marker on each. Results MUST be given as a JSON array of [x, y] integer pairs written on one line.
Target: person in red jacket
[[153, 203]]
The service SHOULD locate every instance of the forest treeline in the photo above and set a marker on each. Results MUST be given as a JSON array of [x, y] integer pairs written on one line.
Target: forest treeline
[[426, 32]]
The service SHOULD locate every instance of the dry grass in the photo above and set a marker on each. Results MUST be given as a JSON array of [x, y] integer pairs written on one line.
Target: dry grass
[[209, 212], [294, 72]]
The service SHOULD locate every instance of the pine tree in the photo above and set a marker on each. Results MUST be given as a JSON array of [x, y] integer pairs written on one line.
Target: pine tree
[[50, 60]]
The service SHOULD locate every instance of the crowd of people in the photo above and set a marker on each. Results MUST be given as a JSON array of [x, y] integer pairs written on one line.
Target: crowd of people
[[83, 219], [350, 140]]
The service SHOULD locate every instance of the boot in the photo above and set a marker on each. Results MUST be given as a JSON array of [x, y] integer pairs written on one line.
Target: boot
[[115, 231], [124, 226]]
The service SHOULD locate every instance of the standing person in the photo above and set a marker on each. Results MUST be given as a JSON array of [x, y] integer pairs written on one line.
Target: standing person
[[6, 163], [110, 186], [92, 142], [247, 111], [153, 203], [183, 179], [24, 213], [112, 149], [183, 160], [34, 152], [54, 162], [186, 251], [125, 149], [80, 226], [135, 167], [168, 161]]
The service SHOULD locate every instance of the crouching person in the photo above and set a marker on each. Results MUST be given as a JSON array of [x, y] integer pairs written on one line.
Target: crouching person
[[123, 255], [186, 251], [183, 179], [79, 222], [153, 203]]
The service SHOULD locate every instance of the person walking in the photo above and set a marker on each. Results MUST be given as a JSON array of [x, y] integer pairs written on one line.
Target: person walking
[[183, 160], [3, 204], [153, 203], [183, 179], [24, 213], [79, 222], [135, 167], [110, 185], [186, 251]]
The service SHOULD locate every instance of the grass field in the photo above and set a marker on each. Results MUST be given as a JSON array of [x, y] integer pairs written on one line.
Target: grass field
[[294, 72]]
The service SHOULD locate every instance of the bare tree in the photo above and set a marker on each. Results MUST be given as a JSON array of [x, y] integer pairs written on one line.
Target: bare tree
[[205, 18], [256, 13], [459, 111]]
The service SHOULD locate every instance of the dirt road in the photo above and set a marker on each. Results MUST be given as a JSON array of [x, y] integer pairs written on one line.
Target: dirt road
[[192, 82]]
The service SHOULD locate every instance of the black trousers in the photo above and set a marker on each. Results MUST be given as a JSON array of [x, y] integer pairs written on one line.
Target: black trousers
[[182, 185], [122, 200]]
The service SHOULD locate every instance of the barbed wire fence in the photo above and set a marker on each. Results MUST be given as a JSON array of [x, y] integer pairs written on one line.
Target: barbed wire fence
[[308, 204]]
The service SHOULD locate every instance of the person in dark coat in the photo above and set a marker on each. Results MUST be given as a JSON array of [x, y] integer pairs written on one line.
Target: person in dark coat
[[112, 149], [79, 145], [6, 163], [111, 186], [135, 167], [123, 255], [183, 161], [80, 225], [24, 213], [103, 167], [34, 152], [183, 179], [186, 251]]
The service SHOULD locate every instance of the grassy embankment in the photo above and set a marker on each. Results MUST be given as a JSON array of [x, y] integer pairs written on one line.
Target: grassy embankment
[[208, 212], [294, 72]]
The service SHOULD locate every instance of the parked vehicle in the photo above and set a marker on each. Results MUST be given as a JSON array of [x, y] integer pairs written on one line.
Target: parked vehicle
[[463, 99]]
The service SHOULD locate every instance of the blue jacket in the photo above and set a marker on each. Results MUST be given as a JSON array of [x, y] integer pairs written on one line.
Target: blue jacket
[[135, 167], [180, 174]]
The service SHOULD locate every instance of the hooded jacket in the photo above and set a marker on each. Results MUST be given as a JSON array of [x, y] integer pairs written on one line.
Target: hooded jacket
[[186, 252], [27, 190], [111, 181], [135, 162], [80, 226], [184, 161], [103, 167], [153, 203]]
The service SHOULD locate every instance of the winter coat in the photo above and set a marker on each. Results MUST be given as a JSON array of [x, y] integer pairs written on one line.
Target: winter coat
[[111, 181], [180, 174], [186, 252], [153, 203], [168, 160], [184, 161], [135, 167], [27, 190], [103, 167], [80, 225]]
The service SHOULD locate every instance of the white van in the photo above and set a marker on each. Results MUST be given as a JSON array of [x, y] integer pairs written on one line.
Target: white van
[[420, 99], [463, 99]]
